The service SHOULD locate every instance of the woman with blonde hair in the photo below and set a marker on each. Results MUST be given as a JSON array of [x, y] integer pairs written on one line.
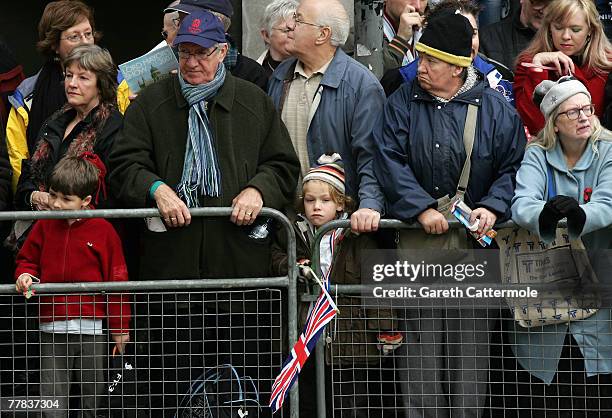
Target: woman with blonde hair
[[571, 159], [571, 41]]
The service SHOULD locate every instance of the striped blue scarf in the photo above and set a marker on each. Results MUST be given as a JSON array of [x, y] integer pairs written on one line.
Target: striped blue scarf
[[201, 167]]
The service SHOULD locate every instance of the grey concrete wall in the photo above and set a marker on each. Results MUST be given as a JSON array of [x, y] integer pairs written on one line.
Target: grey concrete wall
[[252, 44]]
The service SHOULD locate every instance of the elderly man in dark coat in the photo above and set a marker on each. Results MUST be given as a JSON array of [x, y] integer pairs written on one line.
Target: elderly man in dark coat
[[202, 138]]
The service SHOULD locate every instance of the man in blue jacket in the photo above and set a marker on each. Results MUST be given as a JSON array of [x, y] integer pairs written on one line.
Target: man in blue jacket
[[330, 103], [419, 136], [419, 159]]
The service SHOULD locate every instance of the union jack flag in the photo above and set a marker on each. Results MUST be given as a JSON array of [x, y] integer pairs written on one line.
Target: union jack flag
[[321, 313]]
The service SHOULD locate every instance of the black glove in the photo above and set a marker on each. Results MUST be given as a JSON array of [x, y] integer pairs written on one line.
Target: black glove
[[563, 204], [569, 208], [549, 217]]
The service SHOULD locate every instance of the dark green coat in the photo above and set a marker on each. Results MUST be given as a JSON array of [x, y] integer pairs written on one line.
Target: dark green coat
[[253, 148]]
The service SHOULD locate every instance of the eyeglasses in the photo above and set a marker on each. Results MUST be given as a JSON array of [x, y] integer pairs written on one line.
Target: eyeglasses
[[200, 56], [297, 19], [88, 36], [574, 114], [284, 30]]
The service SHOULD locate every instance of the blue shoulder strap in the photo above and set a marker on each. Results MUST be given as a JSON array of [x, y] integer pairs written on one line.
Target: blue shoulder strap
[[552, 189]]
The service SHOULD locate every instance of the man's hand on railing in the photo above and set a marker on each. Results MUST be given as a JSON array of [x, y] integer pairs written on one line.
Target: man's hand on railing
[[486, 220], [433, 222], [173, 210], [247, 206], [365, 220]]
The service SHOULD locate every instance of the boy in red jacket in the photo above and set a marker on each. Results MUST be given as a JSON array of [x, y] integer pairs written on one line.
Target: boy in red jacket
[[73, 347]]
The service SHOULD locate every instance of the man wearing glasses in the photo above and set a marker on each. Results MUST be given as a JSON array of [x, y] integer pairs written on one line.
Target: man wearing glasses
[[329, 102], [201, 138], [236, 63], [503, 41]]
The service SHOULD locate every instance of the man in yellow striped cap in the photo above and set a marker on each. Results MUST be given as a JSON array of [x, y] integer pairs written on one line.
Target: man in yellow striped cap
[[445, 50], [443, 137]]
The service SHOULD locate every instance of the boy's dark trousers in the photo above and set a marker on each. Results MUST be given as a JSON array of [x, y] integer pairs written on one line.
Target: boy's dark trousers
[[73, 358]]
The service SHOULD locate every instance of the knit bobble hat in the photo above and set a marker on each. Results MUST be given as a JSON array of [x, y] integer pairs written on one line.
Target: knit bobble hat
[[329, 170], [448, 38], [550, 94]]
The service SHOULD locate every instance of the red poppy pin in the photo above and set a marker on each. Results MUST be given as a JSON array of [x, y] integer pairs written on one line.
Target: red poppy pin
[[587, 194]]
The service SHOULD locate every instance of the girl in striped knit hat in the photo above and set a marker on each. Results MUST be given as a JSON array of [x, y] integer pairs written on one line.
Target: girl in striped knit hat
[[359, 335]]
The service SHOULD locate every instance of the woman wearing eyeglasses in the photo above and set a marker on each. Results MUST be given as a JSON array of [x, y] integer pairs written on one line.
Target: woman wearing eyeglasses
[[572, 41], [573, 153], [64, 25], [276, 23]]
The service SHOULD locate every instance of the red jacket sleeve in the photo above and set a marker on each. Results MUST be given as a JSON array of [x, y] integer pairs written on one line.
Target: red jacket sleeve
[[115, 270], [525, 82], [28, 258]]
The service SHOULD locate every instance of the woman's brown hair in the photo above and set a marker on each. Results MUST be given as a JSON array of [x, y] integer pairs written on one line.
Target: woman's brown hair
[[98, 61], [58, 17]]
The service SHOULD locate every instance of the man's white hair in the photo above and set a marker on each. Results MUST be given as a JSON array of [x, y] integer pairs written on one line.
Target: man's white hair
[[336, 17], [226, 21]]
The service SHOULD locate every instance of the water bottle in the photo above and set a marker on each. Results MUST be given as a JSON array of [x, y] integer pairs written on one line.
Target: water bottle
[[261, 231]]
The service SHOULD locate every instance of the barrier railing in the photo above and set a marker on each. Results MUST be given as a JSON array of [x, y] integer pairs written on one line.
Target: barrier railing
[[206, 286], [386, 380]]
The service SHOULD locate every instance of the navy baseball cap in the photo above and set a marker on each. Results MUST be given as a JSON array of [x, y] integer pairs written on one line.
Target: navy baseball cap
[[201, 28], [190, 6]]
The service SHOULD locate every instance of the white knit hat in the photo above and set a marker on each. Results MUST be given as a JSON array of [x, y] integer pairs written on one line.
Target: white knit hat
[[550, 94]]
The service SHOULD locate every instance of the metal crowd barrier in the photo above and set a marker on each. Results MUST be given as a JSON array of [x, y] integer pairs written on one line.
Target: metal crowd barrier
[[361, 381], [180, 329]]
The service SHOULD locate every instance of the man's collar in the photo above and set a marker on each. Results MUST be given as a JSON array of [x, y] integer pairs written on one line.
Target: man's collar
[[333, 75], [470, 95], [299, 69]]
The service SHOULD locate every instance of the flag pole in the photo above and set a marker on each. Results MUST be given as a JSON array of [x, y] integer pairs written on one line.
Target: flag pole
[[310, 272]]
